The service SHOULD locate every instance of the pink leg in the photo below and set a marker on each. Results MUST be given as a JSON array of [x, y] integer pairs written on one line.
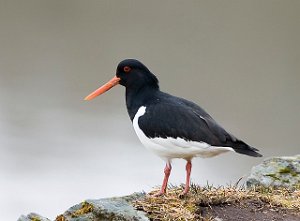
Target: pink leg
[[188, 168], [167, 171]]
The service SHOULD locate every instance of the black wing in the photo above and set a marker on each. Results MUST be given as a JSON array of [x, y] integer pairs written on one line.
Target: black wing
[[176, 117]]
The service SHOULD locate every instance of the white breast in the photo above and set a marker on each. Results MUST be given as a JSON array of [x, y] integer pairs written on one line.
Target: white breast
[[169, 148]]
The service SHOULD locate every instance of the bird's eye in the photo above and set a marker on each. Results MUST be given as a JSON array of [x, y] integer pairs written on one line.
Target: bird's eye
[[127, 69]]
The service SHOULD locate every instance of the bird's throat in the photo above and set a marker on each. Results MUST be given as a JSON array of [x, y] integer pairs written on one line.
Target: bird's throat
[[135, 98]]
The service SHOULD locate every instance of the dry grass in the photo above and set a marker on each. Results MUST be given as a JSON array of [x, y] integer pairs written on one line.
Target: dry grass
[[171, 207]]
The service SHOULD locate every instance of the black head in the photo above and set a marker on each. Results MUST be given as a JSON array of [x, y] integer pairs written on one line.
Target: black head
[[134, 74], [130, 73]]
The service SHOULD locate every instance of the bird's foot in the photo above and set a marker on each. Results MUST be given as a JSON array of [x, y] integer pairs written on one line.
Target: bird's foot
[[183, 194], [159, 194]]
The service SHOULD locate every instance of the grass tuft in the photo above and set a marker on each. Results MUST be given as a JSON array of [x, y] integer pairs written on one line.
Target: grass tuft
[[172, 207]]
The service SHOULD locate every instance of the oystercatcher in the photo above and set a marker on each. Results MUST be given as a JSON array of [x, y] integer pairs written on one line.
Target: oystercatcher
[[170, 126]]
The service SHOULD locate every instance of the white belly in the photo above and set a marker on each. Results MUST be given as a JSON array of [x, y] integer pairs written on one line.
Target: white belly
[[169, 148]]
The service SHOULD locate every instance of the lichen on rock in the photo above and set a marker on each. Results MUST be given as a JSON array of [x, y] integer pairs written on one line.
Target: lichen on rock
[[276, 172], [33, 217], [116, 208]]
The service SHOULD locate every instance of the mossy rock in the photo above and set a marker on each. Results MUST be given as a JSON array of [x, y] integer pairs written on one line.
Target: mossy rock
[[116, 208], [276, 172], [33, 217]]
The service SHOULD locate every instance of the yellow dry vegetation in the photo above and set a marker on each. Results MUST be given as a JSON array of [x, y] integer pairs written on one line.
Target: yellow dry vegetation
[[173, 207]]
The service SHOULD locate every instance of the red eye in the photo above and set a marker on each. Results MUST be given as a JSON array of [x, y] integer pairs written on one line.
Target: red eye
[[127, 69]]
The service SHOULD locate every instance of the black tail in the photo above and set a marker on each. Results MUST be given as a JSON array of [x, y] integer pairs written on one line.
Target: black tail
[[243, 148]]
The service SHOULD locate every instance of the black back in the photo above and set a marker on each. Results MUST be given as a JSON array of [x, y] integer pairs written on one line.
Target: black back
[[170, 116]]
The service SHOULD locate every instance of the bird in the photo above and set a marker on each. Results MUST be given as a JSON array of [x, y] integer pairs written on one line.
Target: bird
[[169, 126]]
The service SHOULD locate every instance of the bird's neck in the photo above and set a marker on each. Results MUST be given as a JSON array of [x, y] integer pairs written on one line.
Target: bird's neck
[[135, 98]]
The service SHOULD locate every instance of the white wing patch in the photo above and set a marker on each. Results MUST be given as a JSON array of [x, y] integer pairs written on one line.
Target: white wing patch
[[169, 148]]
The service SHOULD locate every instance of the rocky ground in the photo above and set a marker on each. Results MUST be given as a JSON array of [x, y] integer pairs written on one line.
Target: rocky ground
[[202, 203], [272, 193]]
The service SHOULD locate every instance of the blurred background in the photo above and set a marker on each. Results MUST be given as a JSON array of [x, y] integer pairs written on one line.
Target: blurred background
[[239, 60]]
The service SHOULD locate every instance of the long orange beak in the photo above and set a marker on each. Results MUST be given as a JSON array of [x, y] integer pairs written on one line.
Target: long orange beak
[[113, 82]]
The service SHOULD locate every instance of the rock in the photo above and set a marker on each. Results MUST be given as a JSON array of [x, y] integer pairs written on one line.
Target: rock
[[108, 209], [33, 217], [117, 208], [276, 172]]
